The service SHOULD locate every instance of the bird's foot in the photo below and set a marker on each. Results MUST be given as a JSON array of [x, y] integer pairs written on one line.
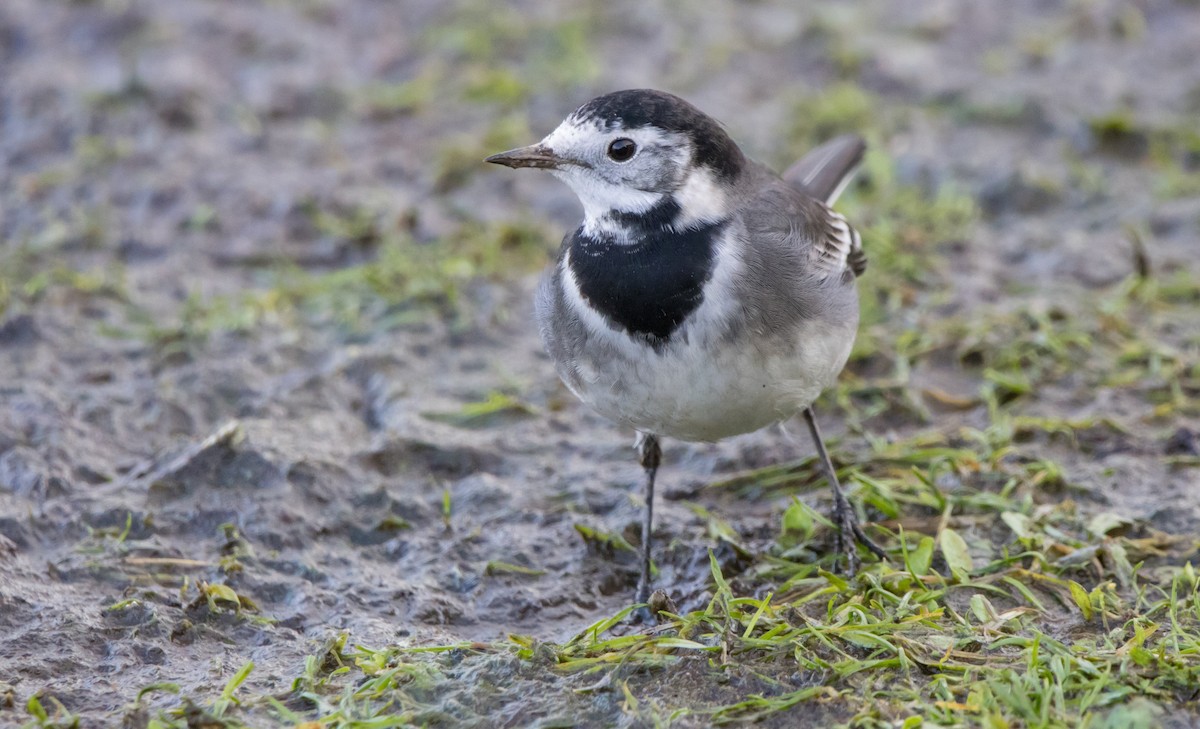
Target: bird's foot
[[850, 534]]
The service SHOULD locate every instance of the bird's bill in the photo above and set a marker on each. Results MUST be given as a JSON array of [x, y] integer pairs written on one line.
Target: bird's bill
[[535, 155]]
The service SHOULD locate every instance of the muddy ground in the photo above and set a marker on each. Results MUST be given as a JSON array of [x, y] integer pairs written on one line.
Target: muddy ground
[[254, 285]]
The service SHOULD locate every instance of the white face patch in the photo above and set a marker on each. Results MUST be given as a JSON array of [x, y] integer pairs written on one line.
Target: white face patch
[[701, 199], [604, 185]]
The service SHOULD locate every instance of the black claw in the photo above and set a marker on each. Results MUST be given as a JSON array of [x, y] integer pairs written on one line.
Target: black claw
[[867, 542], [843, 516], [850, 535]]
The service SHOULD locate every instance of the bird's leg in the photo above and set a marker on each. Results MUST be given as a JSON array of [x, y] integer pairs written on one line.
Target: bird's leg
[[850, 533], [649, 455]]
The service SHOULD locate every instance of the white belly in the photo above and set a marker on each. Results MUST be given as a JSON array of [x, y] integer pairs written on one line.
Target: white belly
[[703, 391]]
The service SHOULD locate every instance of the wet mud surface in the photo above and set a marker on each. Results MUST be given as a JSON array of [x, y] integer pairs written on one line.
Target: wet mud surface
[[186, 486]]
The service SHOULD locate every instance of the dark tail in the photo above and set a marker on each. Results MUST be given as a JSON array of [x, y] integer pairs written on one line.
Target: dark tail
[[825, 171]]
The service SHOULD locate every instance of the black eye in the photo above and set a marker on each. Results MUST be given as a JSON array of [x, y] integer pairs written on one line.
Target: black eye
[[621, 149]]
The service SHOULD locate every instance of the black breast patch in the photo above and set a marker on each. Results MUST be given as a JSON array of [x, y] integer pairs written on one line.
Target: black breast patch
[[650, 285]]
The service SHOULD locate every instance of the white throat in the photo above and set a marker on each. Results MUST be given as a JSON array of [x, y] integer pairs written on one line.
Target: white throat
[[702, 200], [599, 197]]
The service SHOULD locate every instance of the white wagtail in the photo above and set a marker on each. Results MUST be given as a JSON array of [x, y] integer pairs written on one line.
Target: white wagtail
[[703, 296]]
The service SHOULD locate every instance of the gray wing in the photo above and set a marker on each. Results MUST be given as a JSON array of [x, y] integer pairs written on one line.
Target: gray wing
[[799, 261], [838, 249], [823, 173], [790, 217]]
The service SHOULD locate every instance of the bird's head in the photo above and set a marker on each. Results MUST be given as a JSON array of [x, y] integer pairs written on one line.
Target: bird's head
[[627, 152]]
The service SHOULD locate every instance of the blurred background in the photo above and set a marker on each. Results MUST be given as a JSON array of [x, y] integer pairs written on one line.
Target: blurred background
[[145, 140], [264, 313]]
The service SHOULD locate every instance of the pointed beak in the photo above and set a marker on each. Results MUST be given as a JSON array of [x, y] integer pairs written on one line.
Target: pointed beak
[[535, 155]]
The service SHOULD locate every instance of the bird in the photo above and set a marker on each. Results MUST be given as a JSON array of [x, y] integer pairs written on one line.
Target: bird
[[703, 295]]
